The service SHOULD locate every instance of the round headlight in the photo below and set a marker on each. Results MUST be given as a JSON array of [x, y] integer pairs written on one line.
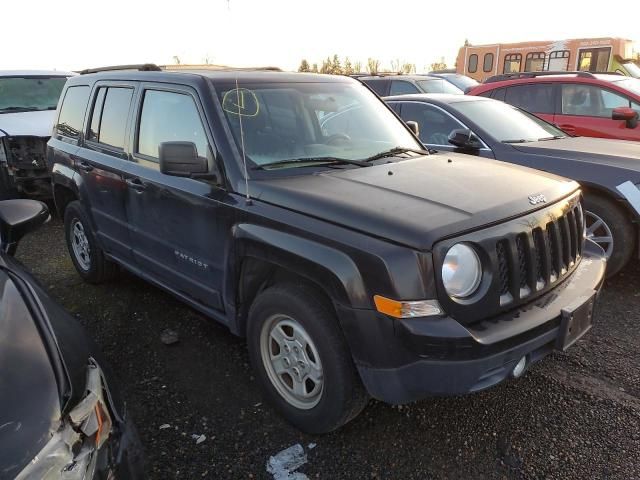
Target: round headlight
[[461, 271]]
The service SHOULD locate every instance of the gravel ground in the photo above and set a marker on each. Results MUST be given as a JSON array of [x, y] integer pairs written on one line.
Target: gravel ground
[[575, 415]]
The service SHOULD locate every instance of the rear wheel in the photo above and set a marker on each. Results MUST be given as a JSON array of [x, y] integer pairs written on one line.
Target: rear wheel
[[302, 359], [86, 254], [607, 225]]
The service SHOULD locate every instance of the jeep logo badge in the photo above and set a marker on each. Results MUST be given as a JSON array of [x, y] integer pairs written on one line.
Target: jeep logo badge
[[536, 199]]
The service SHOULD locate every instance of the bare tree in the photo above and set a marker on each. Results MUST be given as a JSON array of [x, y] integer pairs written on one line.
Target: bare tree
[[314, 68], [176, 59], [357, 67], [348, 68], [304, 66], [408, 68], [396, 65], [336, 66], [437, 66], [373, 66]]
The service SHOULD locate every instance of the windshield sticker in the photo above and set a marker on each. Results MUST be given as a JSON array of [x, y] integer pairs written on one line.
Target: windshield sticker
[[242, 102]]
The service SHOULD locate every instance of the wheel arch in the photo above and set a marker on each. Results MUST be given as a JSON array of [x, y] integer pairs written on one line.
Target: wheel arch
[[264, 256]]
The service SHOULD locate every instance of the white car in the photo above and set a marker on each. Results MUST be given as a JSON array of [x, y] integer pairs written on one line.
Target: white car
[[28, 100]]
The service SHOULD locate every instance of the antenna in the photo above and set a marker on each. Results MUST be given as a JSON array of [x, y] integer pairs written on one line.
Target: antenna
[[244, 159]]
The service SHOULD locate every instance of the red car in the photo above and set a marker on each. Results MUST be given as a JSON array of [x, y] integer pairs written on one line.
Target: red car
[[580, 103]]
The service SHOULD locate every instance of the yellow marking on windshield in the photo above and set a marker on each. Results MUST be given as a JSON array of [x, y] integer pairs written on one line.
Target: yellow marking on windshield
[[242, 102]]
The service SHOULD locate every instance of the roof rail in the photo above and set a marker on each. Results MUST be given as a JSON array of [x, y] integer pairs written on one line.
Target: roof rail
[[143, 67], [511, 76]]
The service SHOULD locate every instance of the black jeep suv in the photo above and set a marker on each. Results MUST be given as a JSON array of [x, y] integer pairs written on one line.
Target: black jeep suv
[[299, 211]]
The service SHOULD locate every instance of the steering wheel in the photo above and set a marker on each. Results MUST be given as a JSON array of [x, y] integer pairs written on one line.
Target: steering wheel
[[438, 139], [337, 138]]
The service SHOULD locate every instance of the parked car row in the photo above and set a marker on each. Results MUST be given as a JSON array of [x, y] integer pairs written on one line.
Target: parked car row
[[608, 170], [360, 256]]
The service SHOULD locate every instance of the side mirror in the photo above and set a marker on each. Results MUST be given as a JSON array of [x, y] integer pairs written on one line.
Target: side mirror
[[413, 126], [17, 218], [465, 139], [627, 114], [181, 159]]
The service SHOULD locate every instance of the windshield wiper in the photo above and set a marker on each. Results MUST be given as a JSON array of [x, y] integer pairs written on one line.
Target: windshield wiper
[[520, 140], [393, 152], [555, 137], [313, 160], [16, 109]]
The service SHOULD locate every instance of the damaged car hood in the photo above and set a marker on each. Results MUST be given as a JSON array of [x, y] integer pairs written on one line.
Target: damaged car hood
[[29, 399], [36, 124], [419, 201]]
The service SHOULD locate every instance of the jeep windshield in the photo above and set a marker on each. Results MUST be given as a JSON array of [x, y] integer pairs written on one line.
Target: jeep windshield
[[507, 124], [24, 94], [287, 125]]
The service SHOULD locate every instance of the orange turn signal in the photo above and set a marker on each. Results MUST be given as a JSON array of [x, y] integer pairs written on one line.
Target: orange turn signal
[[402, 309]]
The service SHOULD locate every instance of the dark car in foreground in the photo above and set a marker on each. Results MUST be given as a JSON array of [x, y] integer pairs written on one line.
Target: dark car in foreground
[[300, 212], [60, 417], [608, 170], [28, 100]]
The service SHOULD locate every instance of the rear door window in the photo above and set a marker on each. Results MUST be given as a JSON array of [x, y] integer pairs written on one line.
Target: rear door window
[[109, 117], [534, 98], [171, 117], [72, 111]]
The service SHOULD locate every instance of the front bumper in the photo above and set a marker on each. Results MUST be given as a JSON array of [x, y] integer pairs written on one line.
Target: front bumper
[[404, 360]]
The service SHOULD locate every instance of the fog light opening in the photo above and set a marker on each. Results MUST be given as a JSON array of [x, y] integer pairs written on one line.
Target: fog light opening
[[520, 367]]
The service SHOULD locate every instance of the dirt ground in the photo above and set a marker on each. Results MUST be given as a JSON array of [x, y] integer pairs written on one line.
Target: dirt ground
[[573, 416]]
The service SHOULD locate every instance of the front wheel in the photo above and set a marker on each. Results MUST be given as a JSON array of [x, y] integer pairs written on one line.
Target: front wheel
[[607, 225], [302, 360]]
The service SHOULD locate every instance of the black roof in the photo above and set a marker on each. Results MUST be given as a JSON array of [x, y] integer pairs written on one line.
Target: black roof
[[413, 76], [437, 98], [230, 75]]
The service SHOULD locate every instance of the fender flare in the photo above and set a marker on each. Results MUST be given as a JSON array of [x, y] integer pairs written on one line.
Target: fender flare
[[332, 270]]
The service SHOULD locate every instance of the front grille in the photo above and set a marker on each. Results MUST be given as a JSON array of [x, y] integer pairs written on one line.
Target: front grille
[[532, 260], [523, 259]]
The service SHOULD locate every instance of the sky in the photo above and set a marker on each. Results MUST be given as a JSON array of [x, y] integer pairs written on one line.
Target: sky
[[77, 34]]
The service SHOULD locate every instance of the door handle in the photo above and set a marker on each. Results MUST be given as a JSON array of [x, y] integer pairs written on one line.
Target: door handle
[[136, 184], [85, 167]]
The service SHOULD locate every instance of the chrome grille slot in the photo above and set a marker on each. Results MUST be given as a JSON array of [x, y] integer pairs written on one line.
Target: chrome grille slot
[[534, 259]]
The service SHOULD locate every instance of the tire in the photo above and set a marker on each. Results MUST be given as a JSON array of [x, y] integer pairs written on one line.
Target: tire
[[339, 394], [87, 256], [616, 221]]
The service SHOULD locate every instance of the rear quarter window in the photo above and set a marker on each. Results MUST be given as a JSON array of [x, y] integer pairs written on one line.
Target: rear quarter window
[[72, 111], [378, 86]]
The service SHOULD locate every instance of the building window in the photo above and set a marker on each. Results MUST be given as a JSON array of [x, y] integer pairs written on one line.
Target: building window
[[487, 65], [473, 63], [534, 62], [559, 61], [512, 63]]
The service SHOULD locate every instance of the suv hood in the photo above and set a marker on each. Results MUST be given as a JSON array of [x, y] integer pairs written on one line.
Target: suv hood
[[618, 153], [36, 124], [419, 201]]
